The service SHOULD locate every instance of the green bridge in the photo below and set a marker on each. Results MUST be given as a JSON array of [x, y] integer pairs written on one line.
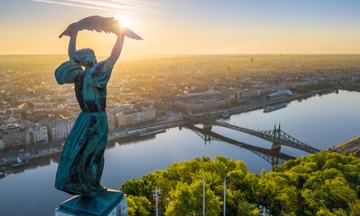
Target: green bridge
[[277, 137]]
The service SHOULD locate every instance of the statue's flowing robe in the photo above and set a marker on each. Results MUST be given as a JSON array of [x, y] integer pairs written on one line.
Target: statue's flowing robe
[[82, 160]]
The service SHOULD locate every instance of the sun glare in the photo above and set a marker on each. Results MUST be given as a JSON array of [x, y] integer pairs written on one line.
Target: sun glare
[[124, 21]]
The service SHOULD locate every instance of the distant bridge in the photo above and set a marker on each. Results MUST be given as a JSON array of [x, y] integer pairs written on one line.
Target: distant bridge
[[271, 156], [277, 137]]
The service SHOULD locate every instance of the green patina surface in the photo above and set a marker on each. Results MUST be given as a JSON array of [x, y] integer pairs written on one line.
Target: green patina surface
[[82, 161], [102, 204]]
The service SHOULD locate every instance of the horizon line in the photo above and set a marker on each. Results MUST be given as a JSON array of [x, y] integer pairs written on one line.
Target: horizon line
[[257, 54]]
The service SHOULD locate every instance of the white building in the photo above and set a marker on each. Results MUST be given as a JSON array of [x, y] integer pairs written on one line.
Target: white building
[[125, 118], [148, 114], [37, 135], [111, 121], [134, 116], [58, 130], [43, 134], [12, 119]]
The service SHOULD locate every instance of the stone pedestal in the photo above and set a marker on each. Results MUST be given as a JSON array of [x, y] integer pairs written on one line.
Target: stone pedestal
[[108, 203]]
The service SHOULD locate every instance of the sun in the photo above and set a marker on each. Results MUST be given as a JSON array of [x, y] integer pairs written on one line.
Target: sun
[[124, 21]]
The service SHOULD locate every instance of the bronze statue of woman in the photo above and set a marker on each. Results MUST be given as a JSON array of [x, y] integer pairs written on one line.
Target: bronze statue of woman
[[82, 161]]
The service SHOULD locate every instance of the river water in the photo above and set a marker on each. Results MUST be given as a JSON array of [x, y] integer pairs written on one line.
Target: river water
[[320, 121]]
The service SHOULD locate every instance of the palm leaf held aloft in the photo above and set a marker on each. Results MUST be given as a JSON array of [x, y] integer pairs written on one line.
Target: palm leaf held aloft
[[100, 24]]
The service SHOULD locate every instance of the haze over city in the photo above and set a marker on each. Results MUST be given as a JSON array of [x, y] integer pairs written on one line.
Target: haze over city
[[187, 27]]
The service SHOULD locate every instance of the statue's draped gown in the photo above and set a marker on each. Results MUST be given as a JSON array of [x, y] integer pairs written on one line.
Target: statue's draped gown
[[82, 161]]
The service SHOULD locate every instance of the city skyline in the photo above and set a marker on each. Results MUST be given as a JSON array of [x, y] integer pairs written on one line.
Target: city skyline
[[184, 27]]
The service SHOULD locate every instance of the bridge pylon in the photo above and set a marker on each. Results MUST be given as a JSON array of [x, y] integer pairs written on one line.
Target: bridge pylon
[[276, 147], [277, 136], [207, 127]]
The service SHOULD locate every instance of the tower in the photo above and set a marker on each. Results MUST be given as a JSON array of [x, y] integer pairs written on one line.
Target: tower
[[13, 99]]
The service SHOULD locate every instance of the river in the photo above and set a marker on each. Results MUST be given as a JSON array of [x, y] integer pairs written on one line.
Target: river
[[320, 121]]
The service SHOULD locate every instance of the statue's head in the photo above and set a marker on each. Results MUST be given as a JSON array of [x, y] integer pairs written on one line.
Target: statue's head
[[85, 57]]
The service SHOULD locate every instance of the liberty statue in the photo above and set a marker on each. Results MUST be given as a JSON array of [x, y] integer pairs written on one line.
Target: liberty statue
[[82, 161]]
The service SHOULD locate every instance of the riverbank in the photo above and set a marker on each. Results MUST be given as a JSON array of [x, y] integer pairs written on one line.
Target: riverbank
[[352, 145], [256, 106], [113, 136], [118, 134]]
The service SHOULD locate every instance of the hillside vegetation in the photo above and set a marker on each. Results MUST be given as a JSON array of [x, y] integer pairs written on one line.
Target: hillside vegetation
[[320, 184]]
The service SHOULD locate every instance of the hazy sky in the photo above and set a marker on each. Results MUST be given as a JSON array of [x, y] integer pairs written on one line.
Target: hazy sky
[[187, 26]]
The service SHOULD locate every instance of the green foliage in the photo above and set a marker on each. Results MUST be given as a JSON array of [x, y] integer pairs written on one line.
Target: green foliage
[[308, 89], [138, 206], [320, 184], [247, 209], [188, 200], [141, 187]]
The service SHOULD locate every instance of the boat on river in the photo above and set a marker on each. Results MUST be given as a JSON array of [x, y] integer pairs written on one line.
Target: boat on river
[[225, 114], [2, 171], [19, 162], [275, 107], [151, 133]]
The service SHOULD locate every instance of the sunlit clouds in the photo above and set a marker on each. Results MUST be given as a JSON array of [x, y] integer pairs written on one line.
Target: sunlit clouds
[[128, 6]]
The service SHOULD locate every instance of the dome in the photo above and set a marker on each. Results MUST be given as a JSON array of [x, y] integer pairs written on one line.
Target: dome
[[280, 93]]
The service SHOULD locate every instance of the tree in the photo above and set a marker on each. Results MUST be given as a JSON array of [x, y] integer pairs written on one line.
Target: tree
[[324, 183], [138, 206], [247, 209], [188, 200]]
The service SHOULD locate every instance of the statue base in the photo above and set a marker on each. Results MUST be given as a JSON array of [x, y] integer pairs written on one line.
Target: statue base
[[110, 202]]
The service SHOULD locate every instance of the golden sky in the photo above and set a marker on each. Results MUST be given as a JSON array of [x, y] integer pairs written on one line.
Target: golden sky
[[186, 27]]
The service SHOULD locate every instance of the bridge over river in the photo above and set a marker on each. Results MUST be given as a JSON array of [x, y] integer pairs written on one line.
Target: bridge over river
[[277, 137], [273, 157]]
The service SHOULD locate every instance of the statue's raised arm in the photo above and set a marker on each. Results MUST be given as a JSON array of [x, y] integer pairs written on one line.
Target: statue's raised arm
[[72, 44], [116, 51]]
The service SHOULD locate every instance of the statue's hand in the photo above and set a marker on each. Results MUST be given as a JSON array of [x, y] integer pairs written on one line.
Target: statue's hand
[[117, 30], [71, 30]]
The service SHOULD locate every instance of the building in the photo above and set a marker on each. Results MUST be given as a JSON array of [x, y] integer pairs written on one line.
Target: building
[[148, 114], [37, 134], [202, 104], [111, 121], [279, 95], [353, 77], [246, 93], [125, 118], [43, 134], [57, 130], [11, 119], [13, 99], [13, 135], [135, 116], [266, 91], [256, 92]]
